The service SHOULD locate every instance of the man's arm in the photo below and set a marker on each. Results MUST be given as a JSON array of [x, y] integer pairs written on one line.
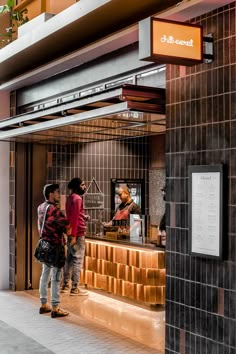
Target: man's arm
[[61, 221], [162, 225], [135, 209], [73, 215], [74, 219]]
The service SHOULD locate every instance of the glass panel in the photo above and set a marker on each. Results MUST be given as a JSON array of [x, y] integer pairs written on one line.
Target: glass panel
[[136, 230]]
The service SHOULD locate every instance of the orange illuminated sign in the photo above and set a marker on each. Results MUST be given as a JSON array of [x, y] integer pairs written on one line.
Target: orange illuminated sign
[[170, 42]]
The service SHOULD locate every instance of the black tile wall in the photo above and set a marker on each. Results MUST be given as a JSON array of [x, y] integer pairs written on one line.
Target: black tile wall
[[12, 270], [103, 161], [201, 129]]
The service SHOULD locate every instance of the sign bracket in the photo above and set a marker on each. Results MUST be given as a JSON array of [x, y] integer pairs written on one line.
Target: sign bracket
[[208, 48]]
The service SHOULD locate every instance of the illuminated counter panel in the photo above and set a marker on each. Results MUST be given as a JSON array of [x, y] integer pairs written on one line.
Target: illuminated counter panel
[[132, 272]]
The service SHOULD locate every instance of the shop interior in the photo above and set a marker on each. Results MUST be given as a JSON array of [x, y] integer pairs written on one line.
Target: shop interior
[[111, 138]]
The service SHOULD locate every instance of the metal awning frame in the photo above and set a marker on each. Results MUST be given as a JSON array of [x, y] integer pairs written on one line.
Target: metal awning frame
[[94, 114], [66, 120], [115, 113], [21, 118]]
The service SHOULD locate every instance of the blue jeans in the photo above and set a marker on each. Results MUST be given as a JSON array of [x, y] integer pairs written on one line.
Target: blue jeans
[[74, 261], [55, 274]]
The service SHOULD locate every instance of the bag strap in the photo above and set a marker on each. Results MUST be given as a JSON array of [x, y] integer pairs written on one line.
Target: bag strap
[[44, 219]]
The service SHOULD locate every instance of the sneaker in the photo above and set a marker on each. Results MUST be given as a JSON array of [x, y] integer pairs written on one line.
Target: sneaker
[[65, 289], [59, 313], [77, 291], [44, 309]]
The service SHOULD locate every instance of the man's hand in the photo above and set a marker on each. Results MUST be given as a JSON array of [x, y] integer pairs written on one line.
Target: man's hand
[[86, 217], [73, 240], [109, 223], [68, 230]]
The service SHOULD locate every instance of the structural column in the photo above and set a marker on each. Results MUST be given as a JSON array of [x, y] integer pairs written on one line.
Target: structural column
[[4, 197]]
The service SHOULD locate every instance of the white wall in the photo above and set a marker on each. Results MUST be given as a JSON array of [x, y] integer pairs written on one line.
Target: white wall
[[4, 199]]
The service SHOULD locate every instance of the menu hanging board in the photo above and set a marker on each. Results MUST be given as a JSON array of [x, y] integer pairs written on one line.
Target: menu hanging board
[[170, 42], [93, 200], [205, 210]]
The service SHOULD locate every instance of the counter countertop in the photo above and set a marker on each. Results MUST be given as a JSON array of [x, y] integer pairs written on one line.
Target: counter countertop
[[122, 243]]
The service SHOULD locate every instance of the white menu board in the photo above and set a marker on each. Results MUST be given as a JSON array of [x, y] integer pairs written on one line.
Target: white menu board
[[205, 211]]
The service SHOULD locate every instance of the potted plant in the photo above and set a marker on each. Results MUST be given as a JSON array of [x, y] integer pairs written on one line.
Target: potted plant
[[17, 18]]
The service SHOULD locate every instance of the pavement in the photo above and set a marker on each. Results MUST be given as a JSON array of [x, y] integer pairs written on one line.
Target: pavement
[[23, 331]]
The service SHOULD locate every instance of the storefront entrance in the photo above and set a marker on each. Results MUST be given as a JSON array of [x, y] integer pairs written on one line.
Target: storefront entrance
[[126, 154]]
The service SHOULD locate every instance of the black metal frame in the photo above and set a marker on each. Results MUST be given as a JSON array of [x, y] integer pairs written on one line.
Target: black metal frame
[[205, 172]]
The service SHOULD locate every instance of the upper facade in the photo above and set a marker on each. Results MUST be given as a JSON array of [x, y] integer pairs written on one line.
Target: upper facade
[[57, 32]]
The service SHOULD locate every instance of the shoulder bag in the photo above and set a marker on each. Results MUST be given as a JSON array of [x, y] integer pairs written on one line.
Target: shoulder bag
[[46, 252]]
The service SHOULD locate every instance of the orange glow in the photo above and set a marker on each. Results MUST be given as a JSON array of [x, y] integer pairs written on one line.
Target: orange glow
[[176, 40]]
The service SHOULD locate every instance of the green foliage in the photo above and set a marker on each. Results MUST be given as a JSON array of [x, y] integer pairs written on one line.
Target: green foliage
[[17, 18]]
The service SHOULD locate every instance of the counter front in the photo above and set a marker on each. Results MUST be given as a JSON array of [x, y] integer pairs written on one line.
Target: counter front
[[129, 271]]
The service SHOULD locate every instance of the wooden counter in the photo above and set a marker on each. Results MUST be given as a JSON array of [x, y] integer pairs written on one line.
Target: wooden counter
[[129, 271]]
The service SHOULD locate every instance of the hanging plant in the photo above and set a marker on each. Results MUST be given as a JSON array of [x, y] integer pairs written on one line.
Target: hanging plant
[[17, 18]]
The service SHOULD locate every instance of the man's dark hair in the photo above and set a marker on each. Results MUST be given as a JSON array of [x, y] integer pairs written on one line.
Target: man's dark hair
[[74, 184], [49, 188]]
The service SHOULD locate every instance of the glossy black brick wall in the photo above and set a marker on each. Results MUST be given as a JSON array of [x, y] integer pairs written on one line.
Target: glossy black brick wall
[[102, 160], [201, 129]]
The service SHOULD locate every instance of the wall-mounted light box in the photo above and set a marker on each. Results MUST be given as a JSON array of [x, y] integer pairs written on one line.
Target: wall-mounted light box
[[170, 42]]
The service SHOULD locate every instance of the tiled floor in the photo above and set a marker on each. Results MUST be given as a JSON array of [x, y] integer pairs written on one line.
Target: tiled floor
[[96, 323], [141, 324]]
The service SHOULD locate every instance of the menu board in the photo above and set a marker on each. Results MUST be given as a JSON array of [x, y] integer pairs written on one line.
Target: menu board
[[93, 201], [205, 210]]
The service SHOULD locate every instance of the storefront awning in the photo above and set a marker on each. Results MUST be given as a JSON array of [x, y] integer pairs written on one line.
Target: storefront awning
[[122, 112]]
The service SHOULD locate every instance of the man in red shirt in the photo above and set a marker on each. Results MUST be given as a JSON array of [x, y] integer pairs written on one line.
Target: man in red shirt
[[76, 242]]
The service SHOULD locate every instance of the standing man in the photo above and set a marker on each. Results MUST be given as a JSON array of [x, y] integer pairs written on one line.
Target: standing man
[[162, 226], [126, 207], [52, 223], [76, 242]]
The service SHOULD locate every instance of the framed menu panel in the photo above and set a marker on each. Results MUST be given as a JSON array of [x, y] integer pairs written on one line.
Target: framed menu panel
[[205, 191]]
